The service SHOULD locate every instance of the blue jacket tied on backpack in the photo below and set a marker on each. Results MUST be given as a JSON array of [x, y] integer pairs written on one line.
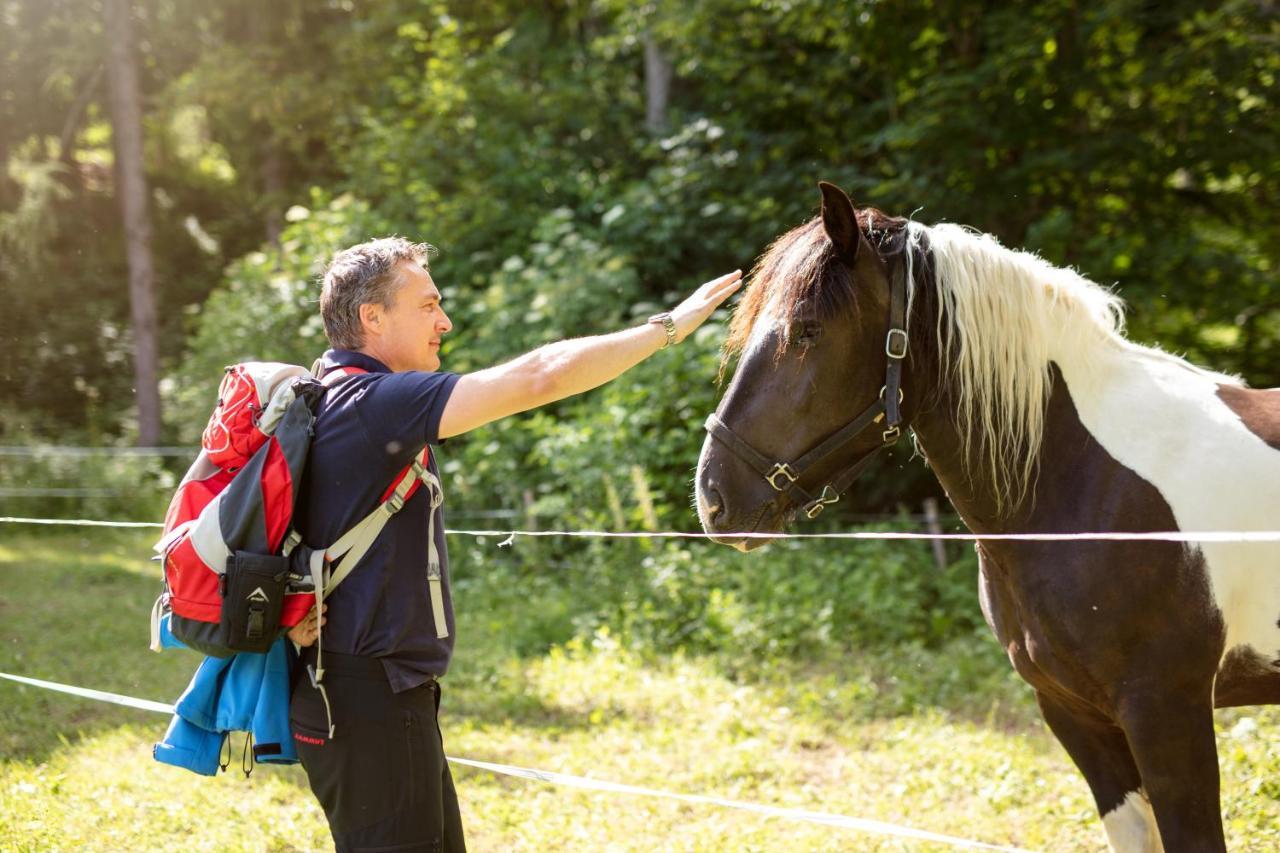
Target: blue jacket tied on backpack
[[246, 692]]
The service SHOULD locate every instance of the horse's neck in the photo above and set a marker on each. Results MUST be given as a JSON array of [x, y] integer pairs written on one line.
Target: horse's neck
[[968, 486], [1070, 459]]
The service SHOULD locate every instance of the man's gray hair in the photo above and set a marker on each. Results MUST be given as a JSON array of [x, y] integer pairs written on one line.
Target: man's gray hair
[[363, 274]]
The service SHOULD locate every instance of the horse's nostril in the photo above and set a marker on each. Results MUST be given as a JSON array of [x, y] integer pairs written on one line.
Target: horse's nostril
[[714, 505]]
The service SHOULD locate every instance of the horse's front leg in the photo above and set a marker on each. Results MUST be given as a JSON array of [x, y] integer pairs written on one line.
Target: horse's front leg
[[1099, 748], [1172, 740]]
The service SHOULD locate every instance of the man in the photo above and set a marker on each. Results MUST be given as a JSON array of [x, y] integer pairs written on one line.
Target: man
[[380, 771]]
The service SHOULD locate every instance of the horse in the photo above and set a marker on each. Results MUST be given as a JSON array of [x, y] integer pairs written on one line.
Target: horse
[[1037, 415]]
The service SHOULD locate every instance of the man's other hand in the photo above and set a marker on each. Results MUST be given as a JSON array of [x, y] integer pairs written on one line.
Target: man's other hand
[[306, 631]]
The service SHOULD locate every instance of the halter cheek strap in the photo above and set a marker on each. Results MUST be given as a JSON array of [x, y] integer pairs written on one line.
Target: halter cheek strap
[[785, 477]]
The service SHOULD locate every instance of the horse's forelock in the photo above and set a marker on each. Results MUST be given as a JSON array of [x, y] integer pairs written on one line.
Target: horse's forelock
[[791, 270]]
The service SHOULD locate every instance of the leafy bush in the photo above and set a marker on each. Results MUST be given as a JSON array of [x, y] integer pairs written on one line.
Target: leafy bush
[[41, 481], [792, 599]]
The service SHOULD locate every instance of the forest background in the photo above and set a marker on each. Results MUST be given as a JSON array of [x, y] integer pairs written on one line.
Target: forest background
[[580, 164]]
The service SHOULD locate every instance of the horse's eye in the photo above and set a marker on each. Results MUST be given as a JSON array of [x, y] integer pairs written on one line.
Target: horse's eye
[[804, 332]]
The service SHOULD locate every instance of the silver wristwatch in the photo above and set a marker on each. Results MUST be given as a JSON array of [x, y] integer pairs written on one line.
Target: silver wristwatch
[[668, 324]]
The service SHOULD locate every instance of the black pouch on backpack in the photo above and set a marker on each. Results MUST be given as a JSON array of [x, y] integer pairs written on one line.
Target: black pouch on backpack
[[252, 597]]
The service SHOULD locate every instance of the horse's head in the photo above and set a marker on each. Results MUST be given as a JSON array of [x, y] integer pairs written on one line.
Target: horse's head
[[815, 393]]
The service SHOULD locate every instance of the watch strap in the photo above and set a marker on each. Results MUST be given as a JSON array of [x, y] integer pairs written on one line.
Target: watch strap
[[668, 324]]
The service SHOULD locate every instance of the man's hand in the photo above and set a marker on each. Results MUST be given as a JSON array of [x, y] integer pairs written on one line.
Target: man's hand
[[691, 313], [306, 631]]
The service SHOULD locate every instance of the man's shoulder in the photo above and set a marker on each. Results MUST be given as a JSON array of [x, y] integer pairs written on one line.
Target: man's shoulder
[[378, 388], [416, 389], [393, 408]]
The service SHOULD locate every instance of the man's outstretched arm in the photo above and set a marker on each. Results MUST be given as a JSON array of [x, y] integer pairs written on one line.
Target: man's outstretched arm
[[564, 368]]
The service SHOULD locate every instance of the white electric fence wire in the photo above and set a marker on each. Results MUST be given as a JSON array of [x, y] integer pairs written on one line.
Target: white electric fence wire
[[56, 492], [510, 535], [582, 782], [827, 818], [76, 522], [100, 695]]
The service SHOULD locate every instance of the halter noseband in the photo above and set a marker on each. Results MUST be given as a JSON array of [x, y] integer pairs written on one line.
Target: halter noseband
[[886, 408]]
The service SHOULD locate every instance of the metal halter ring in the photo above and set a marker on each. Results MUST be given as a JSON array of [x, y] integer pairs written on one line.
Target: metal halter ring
[[815, 507], [883, 388], [780, 469]]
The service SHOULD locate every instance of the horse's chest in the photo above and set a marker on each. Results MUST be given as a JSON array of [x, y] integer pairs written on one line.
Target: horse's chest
[[1080, 621], [1045, 639]]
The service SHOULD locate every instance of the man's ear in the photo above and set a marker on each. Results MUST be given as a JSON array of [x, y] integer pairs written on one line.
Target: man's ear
[[371, 317], [841, 223]]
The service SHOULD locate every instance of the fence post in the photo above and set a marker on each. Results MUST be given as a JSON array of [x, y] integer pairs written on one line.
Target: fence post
[[935, 527]]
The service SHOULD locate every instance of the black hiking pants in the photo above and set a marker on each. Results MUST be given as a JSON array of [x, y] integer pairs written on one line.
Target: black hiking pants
[[382, 778]]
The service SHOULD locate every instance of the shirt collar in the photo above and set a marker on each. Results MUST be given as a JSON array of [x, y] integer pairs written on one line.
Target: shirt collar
[[348, 358]]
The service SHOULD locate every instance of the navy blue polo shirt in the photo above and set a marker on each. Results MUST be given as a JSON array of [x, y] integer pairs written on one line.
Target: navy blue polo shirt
[[369, 427]]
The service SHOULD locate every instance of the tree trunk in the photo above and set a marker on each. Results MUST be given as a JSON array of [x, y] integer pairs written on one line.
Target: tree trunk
[[131, 189], [657, 85]]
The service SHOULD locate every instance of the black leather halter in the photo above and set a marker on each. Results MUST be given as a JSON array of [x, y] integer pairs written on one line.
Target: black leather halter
[[886, 409]]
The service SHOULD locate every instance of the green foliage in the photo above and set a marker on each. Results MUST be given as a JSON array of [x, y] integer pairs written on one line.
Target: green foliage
[[1129, 139], [564, 283], [269, 309], [47, 483], [790, 601]]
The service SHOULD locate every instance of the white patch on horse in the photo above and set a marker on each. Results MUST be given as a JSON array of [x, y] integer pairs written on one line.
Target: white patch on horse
[[1131, 826], [1167, 423], [1153, 412]]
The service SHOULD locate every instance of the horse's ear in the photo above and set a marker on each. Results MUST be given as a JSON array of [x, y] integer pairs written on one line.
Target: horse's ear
[[840, 222]]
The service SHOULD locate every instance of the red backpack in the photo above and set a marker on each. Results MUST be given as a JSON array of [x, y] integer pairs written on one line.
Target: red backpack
[[236, 573]]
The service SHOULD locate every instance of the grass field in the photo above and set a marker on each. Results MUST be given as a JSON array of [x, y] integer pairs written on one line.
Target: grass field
[[945, 740]]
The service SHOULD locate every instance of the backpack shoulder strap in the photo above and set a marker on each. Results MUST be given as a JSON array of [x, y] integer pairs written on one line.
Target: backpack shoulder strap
[[352, 545], [338, 375]]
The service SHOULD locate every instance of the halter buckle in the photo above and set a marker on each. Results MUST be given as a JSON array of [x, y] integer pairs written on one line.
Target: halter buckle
[[784, 470], [891, 435], [815, 507], [898, 336]]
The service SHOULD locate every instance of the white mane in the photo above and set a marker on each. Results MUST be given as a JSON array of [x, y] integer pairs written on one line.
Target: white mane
[[1003, 316]]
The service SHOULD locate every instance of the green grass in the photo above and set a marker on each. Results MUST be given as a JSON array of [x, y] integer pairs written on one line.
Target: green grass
[[944, 739]]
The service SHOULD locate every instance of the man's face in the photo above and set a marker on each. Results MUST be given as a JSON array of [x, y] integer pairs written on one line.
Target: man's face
[[409, 333]]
